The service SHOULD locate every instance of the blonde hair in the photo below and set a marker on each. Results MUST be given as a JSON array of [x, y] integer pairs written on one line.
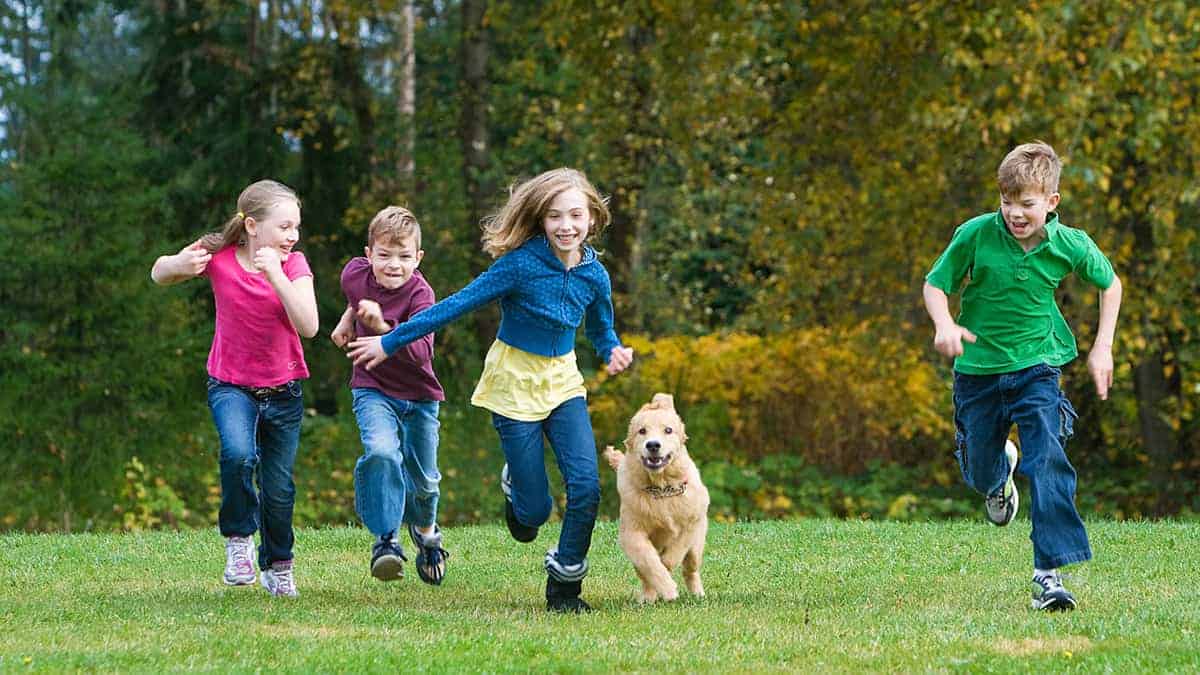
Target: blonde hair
[[256, 202], [393, 224], [1029, 165], [521, 218]]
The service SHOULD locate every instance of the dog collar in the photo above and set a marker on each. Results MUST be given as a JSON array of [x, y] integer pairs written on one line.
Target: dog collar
[[661, 492]]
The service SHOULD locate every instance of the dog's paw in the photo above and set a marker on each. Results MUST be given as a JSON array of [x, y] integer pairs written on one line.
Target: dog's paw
[[670, 592], [614, 457]]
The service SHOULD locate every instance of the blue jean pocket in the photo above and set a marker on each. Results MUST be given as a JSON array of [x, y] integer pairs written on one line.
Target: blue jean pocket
[[1067, 417]]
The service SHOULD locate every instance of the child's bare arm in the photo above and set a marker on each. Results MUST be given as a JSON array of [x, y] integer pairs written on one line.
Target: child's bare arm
[[343, 332], [189, 263], [297, 295], [948, 335], [1100, 361]]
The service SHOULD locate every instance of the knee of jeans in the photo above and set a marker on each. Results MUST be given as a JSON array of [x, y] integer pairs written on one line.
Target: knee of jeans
[[283, 496], [381, 446], [234, 457], [585, 494], [425, 488], [533, 514], [379, 451]]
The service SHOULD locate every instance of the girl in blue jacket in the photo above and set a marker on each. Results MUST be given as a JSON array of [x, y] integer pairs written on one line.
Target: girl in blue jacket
[[548, 279]]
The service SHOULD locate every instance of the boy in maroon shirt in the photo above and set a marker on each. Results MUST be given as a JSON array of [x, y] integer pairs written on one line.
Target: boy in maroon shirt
[[396, 403]]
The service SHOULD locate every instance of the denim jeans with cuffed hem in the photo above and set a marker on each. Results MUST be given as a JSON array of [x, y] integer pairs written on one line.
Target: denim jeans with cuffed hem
[[396, 479], [259, 438], [569, 430], [985, 409]]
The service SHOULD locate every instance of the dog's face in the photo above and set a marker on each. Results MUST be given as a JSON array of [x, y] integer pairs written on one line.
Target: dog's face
[[656, 434]]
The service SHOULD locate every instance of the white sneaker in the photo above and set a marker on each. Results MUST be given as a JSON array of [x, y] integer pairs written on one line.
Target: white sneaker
[[1002, 506], [278, 580], [239, 561]]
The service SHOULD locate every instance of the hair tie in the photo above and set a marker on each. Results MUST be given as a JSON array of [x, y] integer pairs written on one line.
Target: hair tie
[[241, 215]]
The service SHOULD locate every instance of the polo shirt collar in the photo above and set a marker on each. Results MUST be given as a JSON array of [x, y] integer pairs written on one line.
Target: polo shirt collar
[[1052, 224]]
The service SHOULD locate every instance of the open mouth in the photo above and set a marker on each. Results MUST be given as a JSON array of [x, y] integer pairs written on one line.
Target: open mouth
[[656, 462], [566, 240]]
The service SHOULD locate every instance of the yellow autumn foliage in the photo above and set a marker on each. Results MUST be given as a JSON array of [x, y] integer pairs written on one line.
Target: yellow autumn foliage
[[837, 398]]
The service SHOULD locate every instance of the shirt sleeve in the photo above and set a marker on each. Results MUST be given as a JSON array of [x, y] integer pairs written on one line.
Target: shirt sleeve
[[1092, 266], [296, 266], [955, 262], [599, 320], [495, 282]]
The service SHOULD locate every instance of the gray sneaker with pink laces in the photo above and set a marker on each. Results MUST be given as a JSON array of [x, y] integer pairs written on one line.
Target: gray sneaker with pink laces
[[239, 561], [278, 580]]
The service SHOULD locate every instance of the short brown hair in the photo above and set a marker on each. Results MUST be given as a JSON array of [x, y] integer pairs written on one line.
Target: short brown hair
[[392, 225], [1029, 165]]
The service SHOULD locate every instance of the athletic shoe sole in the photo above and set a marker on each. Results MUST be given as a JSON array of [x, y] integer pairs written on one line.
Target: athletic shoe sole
[[387, 568], [1054, 603]]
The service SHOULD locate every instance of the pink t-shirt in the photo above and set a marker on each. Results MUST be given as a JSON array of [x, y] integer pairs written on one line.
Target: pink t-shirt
[[255, 344]]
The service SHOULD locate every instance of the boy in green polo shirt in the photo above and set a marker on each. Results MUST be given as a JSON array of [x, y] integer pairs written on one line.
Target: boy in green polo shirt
[[1008, 344]]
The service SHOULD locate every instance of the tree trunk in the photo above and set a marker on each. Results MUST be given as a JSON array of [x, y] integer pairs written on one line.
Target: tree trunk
[[473, 134], [406, 68], [1151, 385]]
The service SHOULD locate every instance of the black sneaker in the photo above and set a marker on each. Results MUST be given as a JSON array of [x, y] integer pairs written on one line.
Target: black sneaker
[[519, 531], [1002, 506], [1049, 594], [563, 597], [387, 559], [431, 557]]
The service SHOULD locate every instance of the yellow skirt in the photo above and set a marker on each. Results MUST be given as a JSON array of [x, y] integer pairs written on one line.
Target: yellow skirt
[[524, 386]]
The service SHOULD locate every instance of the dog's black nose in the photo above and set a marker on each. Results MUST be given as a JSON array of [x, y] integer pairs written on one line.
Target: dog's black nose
[[653, 446]]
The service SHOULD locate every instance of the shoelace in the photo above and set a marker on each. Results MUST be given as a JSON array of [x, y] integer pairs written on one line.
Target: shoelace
[[284, 582], [1049, 582], [241, 552]]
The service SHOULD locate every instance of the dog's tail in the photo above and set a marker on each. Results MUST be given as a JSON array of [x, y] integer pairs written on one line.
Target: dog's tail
[[614, 457]]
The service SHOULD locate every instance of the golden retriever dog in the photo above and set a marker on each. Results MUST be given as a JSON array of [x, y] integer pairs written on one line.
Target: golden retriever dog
[[664, 506]]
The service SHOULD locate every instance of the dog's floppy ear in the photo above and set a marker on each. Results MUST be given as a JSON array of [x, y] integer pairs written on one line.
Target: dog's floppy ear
[[614, 458], [663, 401]]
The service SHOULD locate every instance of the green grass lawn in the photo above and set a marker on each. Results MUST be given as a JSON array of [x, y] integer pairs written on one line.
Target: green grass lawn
[[811, 595]]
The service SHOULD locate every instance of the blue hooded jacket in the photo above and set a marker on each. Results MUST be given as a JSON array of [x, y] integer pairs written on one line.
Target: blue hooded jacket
[[542, 303]]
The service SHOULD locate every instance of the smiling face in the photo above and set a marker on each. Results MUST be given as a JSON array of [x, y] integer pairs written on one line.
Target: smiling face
[[278, 229], [394, 262], [566, 224], [657, 436], [1025, 214]]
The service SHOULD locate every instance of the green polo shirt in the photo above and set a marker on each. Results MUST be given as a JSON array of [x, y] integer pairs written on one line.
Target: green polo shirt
[[1009, 301]]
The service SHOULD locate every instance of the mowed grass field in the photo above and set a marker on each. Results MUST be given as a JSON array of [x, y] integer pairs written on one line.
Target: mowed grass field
[[809, 596]]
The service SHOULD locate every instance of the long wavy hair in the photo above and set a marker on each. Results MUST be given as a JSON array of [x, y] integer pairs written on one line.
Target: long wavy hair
[[256, 202], [522, 216]]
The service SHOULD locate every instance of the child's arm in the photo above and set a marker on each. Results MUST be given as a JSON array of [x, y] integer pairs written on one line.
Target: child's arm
[[343, 333], [371, 315], [599, 330], [495, 282], [297, 296], [948, 336], [189, 263], [1100, 361]]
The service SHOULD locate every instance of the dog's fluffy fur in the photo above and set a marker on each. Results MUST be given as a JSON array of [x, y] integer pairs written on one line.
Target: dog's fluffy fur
[[661, 526]]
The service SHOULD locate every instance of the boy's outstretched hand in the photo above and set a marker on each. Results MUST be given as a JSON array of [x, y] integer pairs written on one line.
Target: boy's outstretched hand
[[619, 359], [948, 339], [1100, 365], [367, 351]]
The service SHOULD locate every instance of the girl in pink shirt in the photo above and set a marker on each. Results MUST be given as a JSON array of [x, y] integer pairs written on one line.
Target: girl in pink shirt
[[264, 299]]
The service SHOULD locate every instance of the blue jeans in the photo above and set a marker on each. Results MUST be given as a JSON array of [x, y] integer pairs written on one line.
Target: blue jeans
[[396, 479], [569, 430], [985, 408], [258, 434]]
